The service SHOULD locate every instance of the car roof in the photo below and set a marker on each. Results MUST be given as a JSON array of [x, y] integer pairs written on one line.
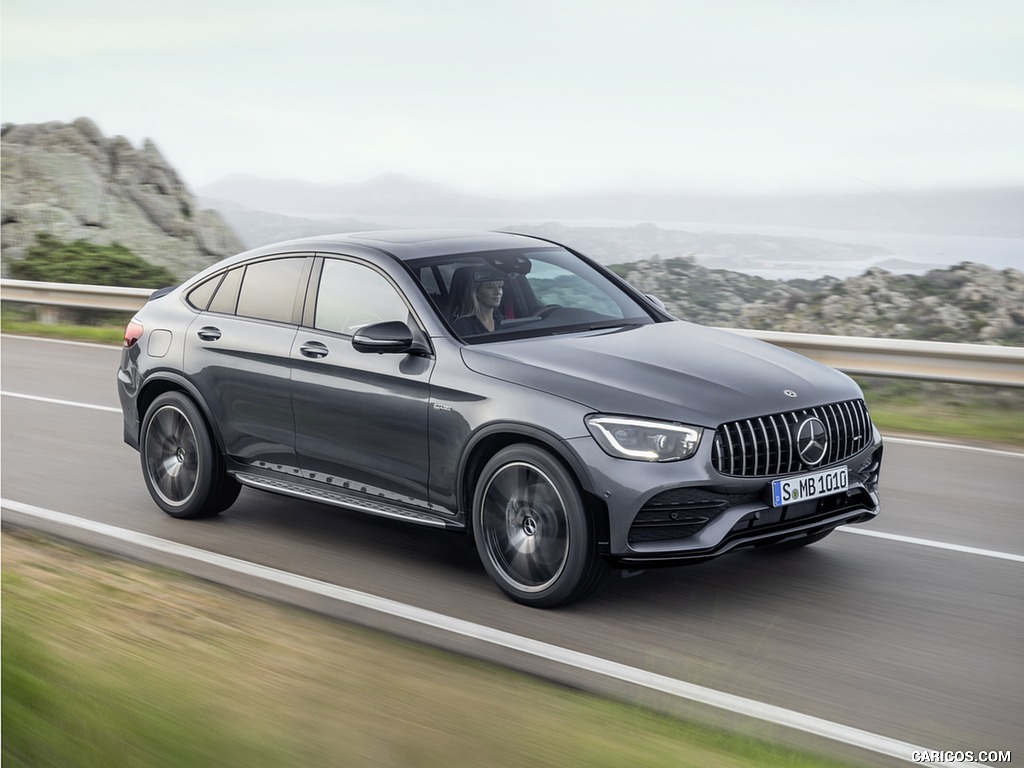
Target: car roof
[[406, 244]]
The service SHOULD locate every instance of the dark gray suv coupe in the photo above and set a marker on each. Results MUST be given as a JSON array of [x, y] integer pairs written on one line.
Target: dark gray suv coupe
[[495, 384]]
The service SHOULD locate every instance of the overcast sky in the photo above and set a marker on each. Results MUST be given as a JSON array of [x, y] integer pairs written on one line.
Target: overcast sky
[[539, 96]]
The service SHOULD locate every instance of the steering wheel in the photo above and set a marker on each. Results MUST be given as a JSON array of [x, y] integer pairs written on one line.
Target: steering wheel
[[547, 310]]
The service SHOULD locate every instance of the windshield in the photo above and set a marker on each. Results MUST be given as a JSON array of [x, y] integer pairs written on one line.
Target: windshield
[[519, 293]]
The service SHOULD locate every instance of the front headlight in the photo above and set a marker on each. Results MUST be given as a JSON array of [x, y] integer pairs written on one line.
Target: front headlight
[[642, 439]]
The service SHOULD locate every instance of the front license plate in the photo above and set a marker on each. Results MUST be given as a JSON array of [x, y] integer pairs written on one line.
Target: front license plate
[[810, 486]]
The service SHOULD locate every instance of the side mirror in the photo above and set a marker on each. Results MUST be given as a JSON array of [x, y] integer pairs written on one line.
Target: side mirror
[[393, 336], [655, 301]]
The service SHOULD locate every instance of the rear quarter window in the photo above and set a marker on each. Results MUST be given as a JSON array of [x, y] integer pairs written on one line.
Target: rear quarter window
[[199, 297], [226, 297]]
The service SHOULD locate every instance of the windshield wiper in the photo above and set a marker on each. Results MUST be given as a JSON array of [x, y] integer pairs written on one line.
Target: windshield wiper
[[583, 327], [615, 324]]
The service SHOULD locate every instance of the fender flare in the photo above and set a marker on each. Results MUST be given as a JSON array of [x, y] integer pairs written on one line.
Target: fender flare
[[181, 383], [534, 434]]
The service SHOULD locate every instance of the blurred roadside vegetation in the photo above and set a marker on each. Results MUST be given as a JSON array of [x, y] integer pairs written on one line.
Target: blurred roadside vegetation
[[52, 260], [963, 411], [88, 325], [97, 326], [109, 663]]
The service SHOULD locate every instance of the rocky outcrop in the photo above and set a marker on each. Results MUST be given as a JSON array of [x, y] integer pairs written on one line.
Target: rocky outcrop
[[966, 303], [69, 181]]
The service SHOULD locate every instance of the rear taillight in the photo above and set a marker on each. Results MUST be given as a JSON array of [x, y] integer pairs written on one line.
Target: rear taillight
[[132, 333]]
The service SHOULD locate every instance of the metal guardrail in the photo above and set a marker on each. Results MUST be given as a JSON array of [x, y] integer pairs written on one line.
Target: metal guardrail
[[905, 358], [895, 358], [73, 295]]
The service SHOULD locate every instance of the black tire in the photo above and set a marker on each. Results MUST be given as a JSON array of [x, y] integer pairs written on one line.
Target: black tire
[[533, 533], [183, 470]]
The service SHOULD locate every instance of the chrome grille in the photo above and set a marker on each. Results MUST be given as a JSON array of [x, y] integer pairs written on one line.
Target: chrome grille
[[765, 445]]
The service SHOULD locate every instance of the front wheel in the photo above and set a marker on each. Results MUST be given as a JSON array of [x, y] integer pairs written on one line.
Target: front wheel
[[533, 534], [180, 463]]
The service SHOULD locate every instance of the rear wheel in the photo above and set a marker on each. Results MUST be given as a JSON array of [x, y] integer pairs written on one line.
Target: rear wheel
[[533, 534], [180, 463]]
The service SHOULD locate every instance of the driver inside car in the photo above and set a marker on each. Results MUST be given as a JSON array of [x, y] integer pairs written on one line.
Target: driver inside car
[[478, 310]]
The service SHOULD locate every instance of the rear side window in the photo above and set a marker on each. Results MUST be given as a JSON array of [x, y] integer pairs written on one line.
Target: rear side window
[[227, 294], [199, 297], [268, 289]]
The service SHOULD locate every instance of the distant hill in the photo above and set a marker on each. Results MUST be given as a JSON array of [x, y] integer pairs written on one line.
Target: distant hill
[[390, 195], [257, 228], [723, 250], [69, 181], [988, 212], [965, 303], [742, 252]]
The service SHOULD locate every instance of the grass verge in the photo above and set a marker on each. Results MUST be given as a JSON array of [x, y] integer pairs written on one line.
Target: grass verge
[[961, 411], [107, 331], [108, 663]]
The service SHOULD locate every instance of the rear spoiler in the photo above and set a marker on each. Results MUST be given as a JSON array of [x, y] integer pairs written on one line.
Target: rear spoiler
[[161, 292]]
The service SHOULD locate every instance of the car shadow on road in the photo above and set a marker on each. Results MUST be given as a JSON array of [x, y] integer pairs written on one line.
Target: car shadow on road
[[745, 580]]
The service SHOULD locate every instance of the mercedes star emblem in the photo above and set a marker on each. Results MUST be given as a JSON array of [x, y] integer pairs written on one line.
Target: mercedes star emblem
[[811, 441]]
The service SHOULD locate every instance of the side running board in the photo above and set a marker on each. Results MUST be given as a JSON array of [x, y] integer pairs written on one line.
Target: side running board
[[348, 500]]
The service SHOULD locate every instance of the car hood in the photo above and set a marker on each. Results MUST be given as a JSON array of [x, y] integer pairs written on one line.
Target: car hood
[[675, 370]]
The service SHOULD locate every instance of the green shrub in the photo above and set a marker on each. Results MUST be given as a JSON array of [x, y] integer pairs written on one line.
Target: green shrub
[[56, 261]]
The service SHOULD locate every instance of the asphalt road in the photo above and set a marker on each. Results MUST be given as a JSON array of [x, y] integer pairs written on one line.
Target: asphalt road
[[911, 642]]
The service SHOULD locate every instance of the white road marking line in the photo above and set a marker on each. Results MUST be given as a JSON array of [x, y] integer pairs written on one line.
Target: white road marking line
[[888, 439], [933, 544], [55, 401], [951, 446], [845, 529], [679, 688], [94, 344]]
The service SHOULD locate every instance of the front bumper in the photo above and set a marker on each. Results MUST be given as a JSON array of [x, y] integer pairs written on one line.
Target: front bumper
[[686, 512]]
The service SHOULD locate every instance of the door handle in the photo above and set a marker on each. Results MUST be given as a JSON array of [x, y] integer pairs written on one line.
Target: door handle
[[314, 349], [208, 333]]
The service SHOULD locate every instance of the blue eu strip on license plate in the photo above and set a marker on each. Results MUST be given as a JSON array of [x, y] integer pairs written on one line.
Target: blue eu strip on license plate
[[810, 486]]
